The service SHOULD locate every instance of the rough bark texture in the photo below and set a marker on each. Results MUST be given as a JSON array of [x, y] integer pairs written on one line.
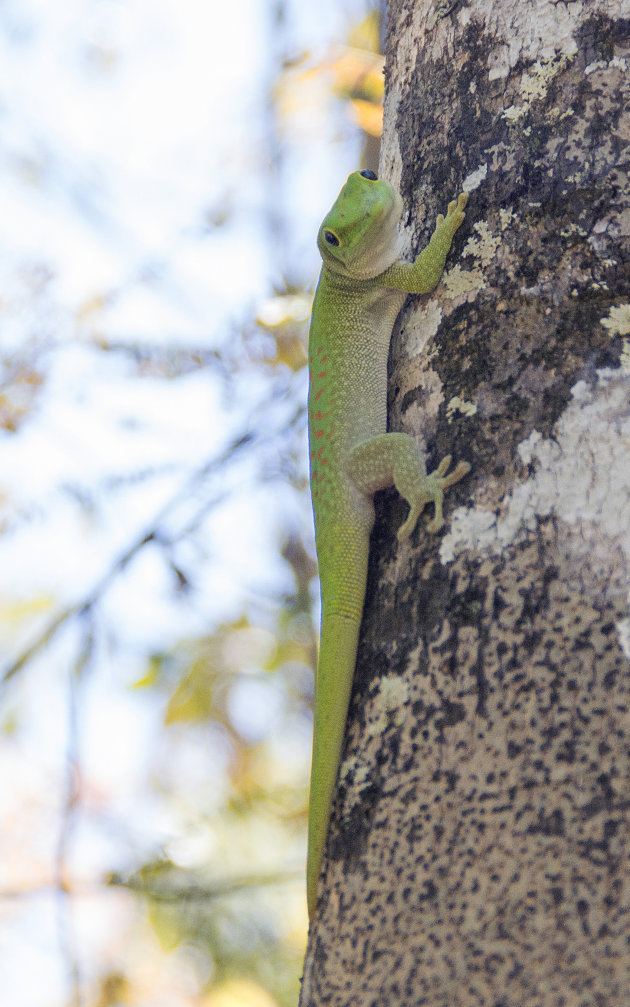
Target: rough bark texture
[[479, 852]]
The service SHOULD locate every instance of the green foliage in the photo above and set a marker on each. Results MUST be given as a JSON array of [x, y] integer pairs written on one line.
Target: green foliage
[[235, 933]]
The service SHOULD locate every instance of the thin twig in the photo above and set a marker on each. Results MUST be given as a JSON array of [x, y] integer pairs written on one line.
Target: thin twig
[[191, 892], [199, 892], [152, 534]]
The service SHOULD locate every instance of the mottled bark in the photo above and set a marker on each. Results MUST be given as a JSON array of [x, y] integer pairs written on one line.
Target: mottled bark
[[479, 852]]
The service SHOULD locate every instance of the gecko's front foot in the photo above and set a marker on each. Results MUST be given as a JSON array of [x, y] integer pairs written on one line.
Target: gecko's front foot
[[454, 215]]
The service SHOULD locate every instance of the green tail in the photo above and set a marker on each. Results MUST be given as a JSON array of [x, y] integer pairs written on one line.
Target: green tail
[[335, 671]]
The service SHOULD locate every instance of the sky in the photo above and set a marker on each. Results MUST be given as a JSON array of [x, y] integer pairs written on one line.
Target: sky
[[138, 164]]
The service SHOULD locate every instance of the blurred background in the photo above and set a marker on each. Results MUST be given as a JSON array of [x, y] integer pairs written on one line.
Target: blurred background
[[164, 166]]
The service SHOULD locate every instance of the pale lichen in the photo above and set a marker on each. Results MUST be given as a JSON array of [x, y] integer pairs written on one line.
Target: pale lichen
[[534, 84], [484, 246], [459, 282], [459, 405], [617, 321], [475, 178], [389, 703], [581, 475]]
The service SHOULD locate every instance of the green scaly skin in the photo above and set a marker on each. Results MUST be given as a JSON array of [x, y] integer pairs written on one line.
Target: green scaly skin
[[362, 287]]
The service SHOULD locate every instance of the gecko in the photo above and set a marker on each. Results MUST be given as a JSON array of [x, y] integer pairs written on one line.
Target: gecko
[[362, 286]]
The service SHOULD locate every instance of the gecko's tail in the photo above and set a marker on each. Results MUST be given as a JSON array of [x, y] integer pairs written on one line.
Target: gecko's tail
[[333, 685]]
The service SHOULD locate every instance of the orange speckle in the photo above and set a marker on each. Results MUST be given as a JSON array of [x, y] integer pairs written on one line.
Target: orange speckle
[[320, 452], [322, 374], [319, 394]]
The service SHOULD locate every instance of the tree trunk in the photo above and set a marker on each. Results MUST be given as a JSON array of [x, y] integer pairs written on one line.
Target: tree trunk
[[479, 851]]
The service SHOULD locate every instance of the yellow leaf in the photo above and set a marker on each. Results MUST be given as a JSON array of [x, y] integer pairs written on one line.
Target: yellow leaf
[[152, 675], [14, 613], [366, 35], [368, 116], [240, 993]]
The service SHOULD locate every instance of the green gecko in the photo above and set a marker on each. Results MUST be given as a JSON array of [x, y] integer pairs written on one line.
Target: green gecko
[[362, 287]]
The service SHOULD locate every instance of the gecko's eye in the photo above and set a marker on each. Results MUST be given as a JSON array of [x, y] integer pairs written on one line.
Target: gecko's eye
[[369, 174], [330, 238]]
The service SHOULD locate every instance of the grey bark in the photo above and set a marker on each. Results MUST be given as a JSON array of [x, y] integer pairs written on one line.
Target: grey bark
[[479, 852]]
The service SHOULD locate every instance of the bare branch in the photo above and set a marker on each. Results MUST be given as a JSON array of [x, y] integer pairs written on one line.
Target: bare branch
[[153, 533]]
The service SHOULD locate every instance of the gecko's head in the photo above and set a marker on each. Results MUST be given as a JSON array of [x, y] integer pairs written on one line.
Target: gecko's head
[[359, 235]]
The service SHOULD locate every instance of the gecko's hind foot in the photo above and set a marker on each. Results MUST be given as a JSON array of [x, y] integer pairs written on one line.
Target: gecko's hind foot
[[431, 489]]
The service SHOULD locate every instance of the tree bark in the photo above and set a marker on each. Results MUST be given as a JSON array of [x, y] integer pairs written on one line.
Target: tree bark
[[479, 852]]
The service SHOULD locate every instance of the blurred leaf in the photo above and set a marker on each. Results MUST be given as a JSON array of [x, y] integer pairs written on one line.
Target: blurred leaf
[[194, 696], [153, 674], [241, 993], [16, 612], [366, 35], [114, 990], [369, 116], [357, 77], [232, 929]]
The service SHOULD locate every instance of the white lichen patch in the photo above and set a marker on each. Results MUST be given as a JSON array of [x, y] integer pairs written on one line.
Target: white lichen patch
[[474, 180], [506, 217], [389, 704], [616, 63], [459, 405], [514, 112], [458, 282], [617, 321], [423, 326], [357, 778], [484, 246], [624, 359], [623, 633], [356, 771], [534, 84], [581, 476], [571, 229]]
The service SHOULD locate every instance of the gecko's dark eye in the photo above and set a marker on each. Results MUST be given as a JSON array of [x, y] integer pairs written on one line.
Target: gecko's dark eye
[[330, 238], [369, 174]]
